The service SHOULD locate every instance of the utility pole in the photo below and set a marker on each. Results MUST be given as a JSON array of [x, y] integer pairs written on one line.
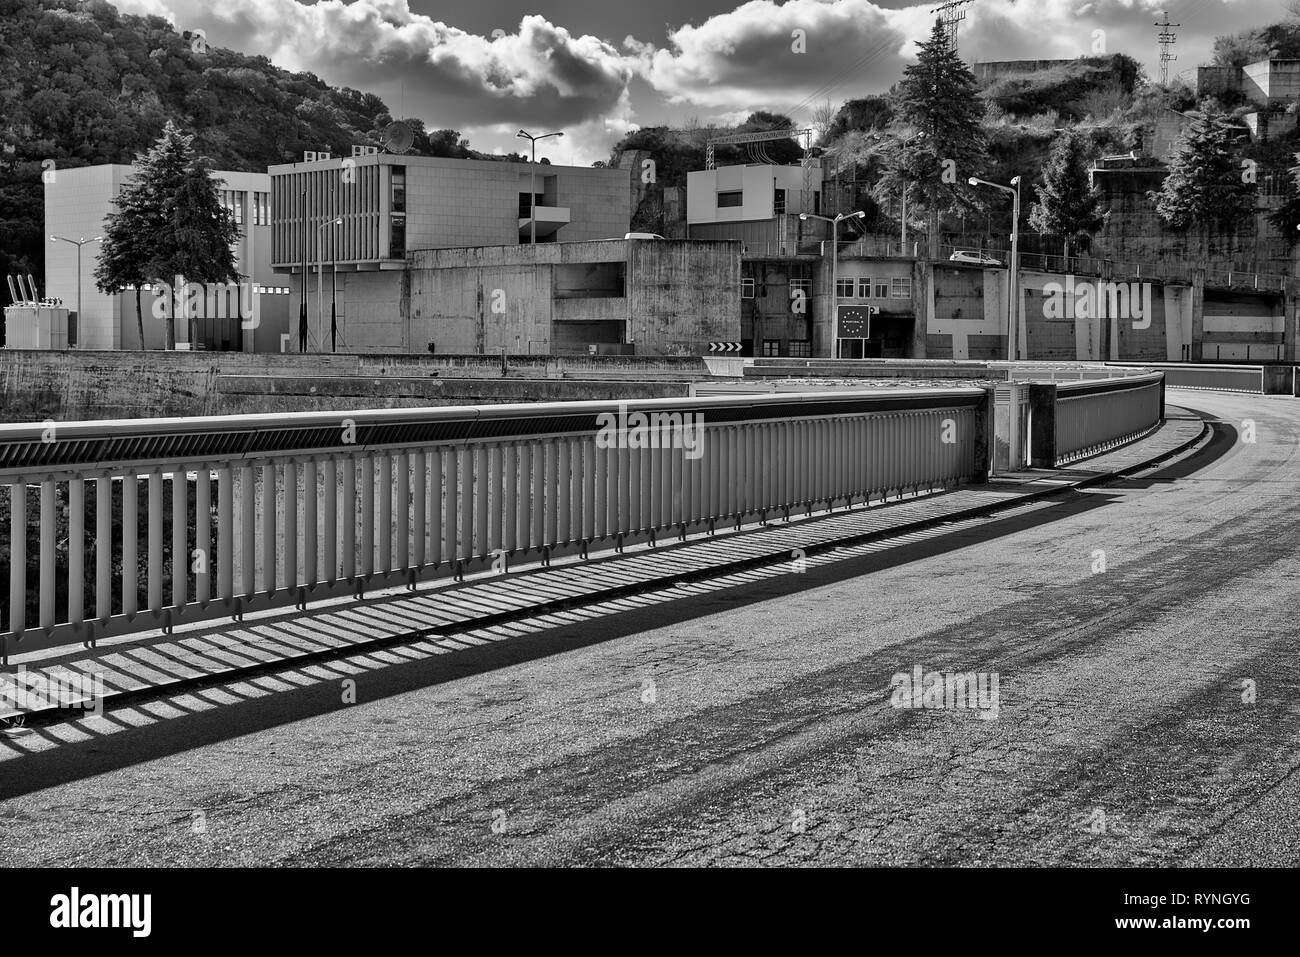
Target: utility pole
[[1166, 38]]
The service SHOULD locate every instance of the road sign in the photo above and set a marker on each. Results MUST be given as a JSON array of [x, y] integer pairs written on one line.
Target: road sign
[[724, 346], [855, 321]]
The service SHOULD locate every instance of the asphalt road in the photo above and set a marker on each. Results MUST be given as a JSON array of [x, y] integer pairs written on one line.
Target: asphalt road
[[1146, 711]]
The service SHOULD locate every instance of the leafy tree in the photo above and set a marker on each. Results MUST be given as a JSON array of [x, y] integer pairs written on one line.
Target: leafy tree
[[1286, 218], [1205, 186], [1067, 205], [938, 141]]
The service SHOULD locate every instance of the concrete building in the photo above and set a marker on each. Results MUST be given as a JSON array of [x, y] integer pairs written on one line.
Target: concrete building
[[1265, 82], [757, 204], [391, 205], [77, 204], [632, 297]]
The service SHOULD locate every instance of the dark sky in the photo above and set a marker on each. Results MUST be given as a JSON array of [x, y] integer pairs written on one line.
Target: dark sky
[[597, 69]]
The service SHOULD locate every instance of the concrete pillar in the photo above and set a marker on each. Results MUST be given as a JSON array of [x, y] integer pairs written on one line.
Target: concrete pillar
[[922, 300], [1290, 319], [985, 424], [1198, 314], [1042, 428]]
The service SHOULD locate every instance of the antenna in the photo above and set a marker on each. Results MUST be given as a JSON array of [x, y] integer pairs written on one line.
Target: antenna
[[951, 14], [1166, 38]]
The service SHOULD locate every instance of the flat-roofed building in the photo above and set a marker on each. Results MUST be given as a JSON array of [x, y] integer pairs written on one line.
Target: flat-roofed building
[[364, 215]]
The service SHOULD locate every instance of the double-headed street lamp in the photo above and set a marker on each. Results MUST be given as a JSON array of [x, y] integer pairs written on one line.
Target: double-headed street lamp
[[532, 181], [1013, 273], [320, 266], [79, 243], [835, 266]]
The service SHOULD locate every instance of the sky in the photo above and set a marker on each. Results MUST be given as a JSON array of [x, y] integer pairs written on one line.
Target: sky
[[594, 69]]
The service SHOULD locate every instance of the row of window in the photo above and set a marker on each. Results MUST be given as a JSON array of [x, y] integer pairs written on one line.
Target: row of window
[[898, 288], [864, 288], [233, 200], [799, 348]]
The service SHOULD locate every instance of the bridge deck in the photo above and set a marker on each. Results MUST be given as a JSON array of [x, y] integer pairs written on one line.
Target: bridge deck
[[150, 662]]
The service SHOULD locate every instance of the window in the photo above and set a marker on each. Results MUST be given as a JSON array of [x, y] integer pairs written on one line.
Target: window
[[732, 198], [843, 288], [800, 349], [397, 238], [747, 287], [398, 204], [778, 201], [817, 202], [882, 290], [900, 288], [261, 209], [803, 285], [864, 288], [771, 347]]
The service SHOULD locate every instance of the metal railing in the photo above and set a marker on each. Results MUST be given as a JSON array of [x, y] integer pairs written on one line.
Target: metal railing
[[1212, 377], [150, 523], [1073, 420]]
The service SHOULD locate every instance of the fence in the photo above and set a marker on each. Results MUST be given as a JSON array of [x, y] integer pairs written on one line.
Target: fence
[[242, 513], [1072, 420]]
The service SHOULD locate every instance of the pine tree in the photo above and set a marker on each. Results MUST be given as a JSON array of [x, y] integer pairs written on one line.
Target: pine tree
[[202, 233], [168, 223], [1067, 205], [938, 141], [1205, 186]]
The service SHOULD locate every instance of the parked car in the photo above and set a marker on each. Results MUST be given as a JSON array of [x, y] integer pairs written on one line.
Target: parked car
[[643, 236], [974, 256]]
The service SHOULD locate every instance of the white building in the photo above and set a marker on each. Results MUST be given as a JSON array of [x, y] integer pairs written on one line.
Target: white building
[[77, 204]]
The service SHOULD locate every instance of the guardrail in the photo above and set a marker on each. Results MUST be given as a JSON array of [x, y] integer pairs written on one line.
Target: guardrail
[[243, 513], [1073, 420], [1257, 380]]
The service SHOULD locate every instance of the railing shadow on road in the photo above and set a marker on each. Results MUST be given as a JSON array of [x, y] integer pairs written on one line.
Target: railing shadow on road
[[1224, 436], [161, 725]]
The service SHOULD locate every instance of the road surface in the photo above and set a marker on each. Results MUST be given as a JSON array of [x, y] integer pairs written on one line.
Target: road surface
[[1146, 711]]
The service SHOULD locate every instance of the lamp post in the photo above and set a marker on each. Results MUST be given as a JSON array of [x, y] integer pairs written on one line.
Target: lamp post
[[1013, 272], [532, 181], [835, 267], [79, 243], [320, 266]]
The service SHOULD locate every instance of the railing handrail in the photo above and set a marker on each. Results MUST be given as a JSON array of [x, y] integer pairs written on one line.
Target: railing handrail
[[29, 447]]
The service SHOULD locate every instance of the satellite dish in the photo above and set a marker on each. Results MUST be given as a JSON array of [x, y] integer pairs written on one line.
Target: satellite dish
[[397, 137]]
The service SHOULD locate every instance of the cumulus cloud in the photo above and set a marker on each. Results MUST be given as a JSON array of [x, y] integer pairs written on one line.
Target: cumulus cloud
[[548, 75]]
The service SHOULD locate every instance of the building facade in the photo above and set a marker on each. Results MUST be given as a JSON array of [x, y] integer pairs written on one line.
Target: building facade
[[77, 205], [344, 230]]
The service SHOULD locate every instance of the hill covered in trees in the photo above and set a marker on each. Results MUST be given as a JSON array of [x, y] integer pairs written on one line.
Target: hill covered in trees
[[83, 84]]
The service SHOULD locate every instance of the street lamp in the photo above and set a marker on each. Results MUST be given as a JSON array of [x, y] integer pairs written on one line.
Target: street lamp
[[79, 243], [835, 265], [532, 181], [320, 266], [1013, 273]]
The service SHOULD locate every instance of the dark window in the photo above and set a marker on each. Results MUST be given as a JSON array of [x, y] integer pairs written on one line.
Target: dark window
[[732, 198], [800, 348], [399, 189], [844, 288], [771, 347], [747, 287], [817, 203], [397, 238]]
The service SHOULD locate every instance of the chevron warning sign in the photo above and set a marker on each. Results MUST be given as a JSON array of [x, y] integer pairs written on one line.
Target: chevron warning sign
[[724, 346]]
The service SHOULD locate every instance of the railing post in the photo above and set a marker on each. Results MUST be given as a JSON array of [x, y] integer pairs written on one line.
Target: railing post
[[1042, 429], [985, 424]]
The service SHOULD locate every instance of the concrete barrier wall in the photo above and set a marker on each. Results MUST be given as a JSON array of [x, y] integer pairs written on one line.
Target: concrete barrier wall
[[37, 385]]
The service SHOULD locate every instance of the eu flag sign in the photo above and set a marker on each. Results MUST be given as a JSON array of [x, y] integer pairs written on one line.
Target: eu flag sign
[[855, 321]]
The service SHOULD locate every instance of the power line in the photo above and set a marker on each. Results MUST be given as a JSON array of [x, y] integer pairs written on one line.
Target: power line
[[951, 15]]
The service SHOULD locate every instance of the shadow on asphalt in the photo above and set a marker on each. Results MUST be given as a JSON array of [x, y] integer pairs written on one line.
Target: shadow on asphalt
[[152, 727], [1223, 438]]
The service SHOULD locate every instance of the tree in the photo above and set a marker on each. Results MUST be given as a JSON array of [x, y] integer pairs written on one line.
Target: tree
[[937, 139], [167, 222], [202, 234], [1205, 185], [1286, 218], [1067, 205]]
